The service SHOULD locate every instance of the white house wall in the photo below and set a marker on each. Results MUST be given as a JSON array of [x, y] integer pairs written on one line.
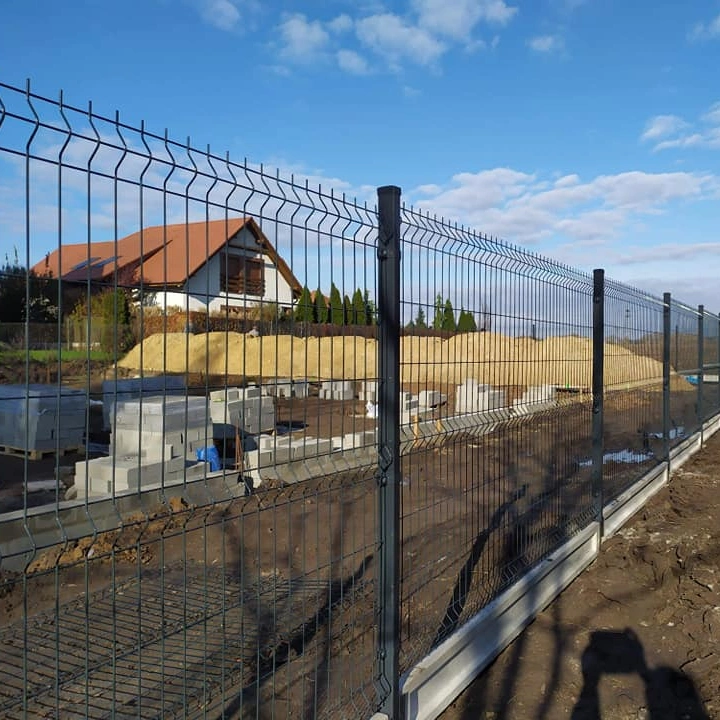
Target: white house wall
[[202, 290]]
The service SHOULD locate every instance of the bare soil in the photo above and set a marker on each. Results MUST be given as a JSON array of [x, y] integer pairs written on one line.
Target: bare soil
[[272, 596], [637, 635]]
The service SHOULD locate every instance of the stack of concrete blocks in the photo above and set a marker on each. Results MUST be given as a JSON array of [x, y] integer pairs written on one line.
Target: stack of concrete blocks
[[337, 390], [273, 450], [473, 397], [409, 408], [287, 388], [154, 441], [117, 391], [246, 409], [354, 440], [536, 399], [42, 418], [429, 399], [369, 391]]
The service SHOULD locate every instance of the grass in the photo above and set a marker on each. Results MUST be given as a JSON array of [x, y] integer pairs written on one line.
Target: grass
[[51, 356]]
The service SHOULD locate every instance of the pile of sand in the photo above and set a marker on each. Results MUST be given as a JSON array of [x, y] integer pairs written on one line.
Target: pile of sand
[[487, 357]]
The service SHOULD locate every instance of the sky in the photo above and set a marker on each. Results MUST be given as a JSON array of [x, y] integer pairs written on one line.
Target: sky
[[585, 130]]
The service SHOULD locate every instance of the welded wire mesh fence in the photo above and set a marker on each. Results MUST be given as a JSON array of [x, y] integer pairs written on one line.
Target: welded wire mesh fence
[[263, 447]]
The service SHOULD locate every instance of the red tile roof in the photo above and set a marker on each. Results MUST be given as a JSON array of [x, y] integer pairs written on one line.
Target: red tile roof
[[163, 255]]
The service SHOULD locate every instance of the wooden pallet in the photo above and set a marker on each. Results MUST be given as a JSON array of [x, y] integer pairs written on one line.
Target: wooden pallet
[[39, 454]]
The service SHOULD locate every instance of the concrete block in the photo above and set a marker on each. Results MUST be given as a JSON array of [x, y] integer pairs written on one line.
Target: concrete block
[[310, 447], [337, 390], [431, 398], [115, 391], [39, 417], [369, 391]]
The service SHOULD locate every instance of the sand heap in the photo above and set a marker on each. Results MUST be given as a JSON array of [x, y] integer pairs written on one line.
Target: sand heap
[[487, 357]]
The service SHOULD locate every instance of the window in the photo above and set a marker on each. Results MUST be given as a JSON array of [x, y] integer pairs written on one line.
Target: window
[[242, 275]]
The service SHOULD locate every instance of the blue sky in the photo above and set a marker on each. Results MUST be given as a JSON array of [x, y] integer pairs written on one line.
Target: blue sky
[[586, 130]]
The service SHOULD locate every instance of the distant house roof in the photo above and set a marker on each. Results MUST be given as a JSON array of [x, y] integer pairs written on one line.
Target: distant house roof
[[163, 255]]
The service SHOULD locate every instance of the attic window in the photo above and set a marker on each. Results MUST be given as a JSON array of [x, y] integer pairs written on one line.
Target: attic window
[[242, 275]]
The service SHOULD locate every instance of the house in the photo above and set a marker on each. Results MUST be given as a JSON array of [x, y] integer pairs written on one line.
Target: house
[[202, 266]]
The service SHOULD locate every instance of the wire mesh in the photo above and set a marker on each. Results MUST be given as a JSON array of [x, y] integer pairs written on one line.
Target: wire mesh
[[634, 439], [496, 430], [684, 354], [711, 366], [188, 521]]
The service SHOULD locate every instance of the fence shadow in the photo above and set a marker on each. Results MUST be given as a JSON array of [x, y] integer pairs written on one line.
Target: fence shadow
[[462, 586]]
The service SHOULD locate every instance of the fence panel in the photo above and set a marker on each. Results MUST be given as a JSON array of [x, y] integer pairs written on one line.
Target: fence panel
[[264, 447], [495, 422], [711, 366], [214, 551], [684, 410], [633, 435]]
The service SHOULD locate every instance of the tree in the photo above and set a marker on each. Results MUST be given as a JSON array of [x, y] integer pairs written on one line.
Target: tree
[[107, 313], [472, 325], [359, 309], [370, 309], [321, 308], [43, 289], [448, 322], [348, 311], [336, 312], [420, 321], [466, 322], [304, 310], [439, 314]]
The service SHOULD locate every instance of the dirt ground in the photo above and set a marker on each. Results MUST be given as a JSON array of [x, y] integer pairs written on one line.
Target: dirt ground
[[283, 581], [637, 635]]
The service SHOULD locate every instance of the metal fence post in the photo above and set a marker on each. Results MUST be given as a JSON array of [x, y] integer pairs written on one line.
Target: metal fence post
[[701, 347], [666, 375], [389, 470], [598, 371]]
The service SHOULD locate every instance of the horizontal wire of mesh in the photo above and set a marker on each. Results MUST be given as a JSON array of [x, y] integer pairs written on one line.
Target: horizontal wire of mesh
[[187, 510], [496, 421]]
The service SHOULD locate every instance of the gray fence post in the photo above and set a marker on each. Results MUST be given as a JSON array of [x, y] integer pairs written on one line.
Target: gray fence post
[[666, 375], [701, 373], [389, 470], [598, 378]]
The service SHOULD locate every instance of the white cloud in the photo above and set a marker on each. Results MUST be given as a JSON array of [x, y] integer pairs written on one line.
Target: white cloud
[[223, 14], [352, 62], [706, 31], [342, 23], [546, 43], [457, 19], [302, 39], [671, 131], [670, 251], [712, 116], [662, 126], [525, 208], [567, 181], [394, 39]]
